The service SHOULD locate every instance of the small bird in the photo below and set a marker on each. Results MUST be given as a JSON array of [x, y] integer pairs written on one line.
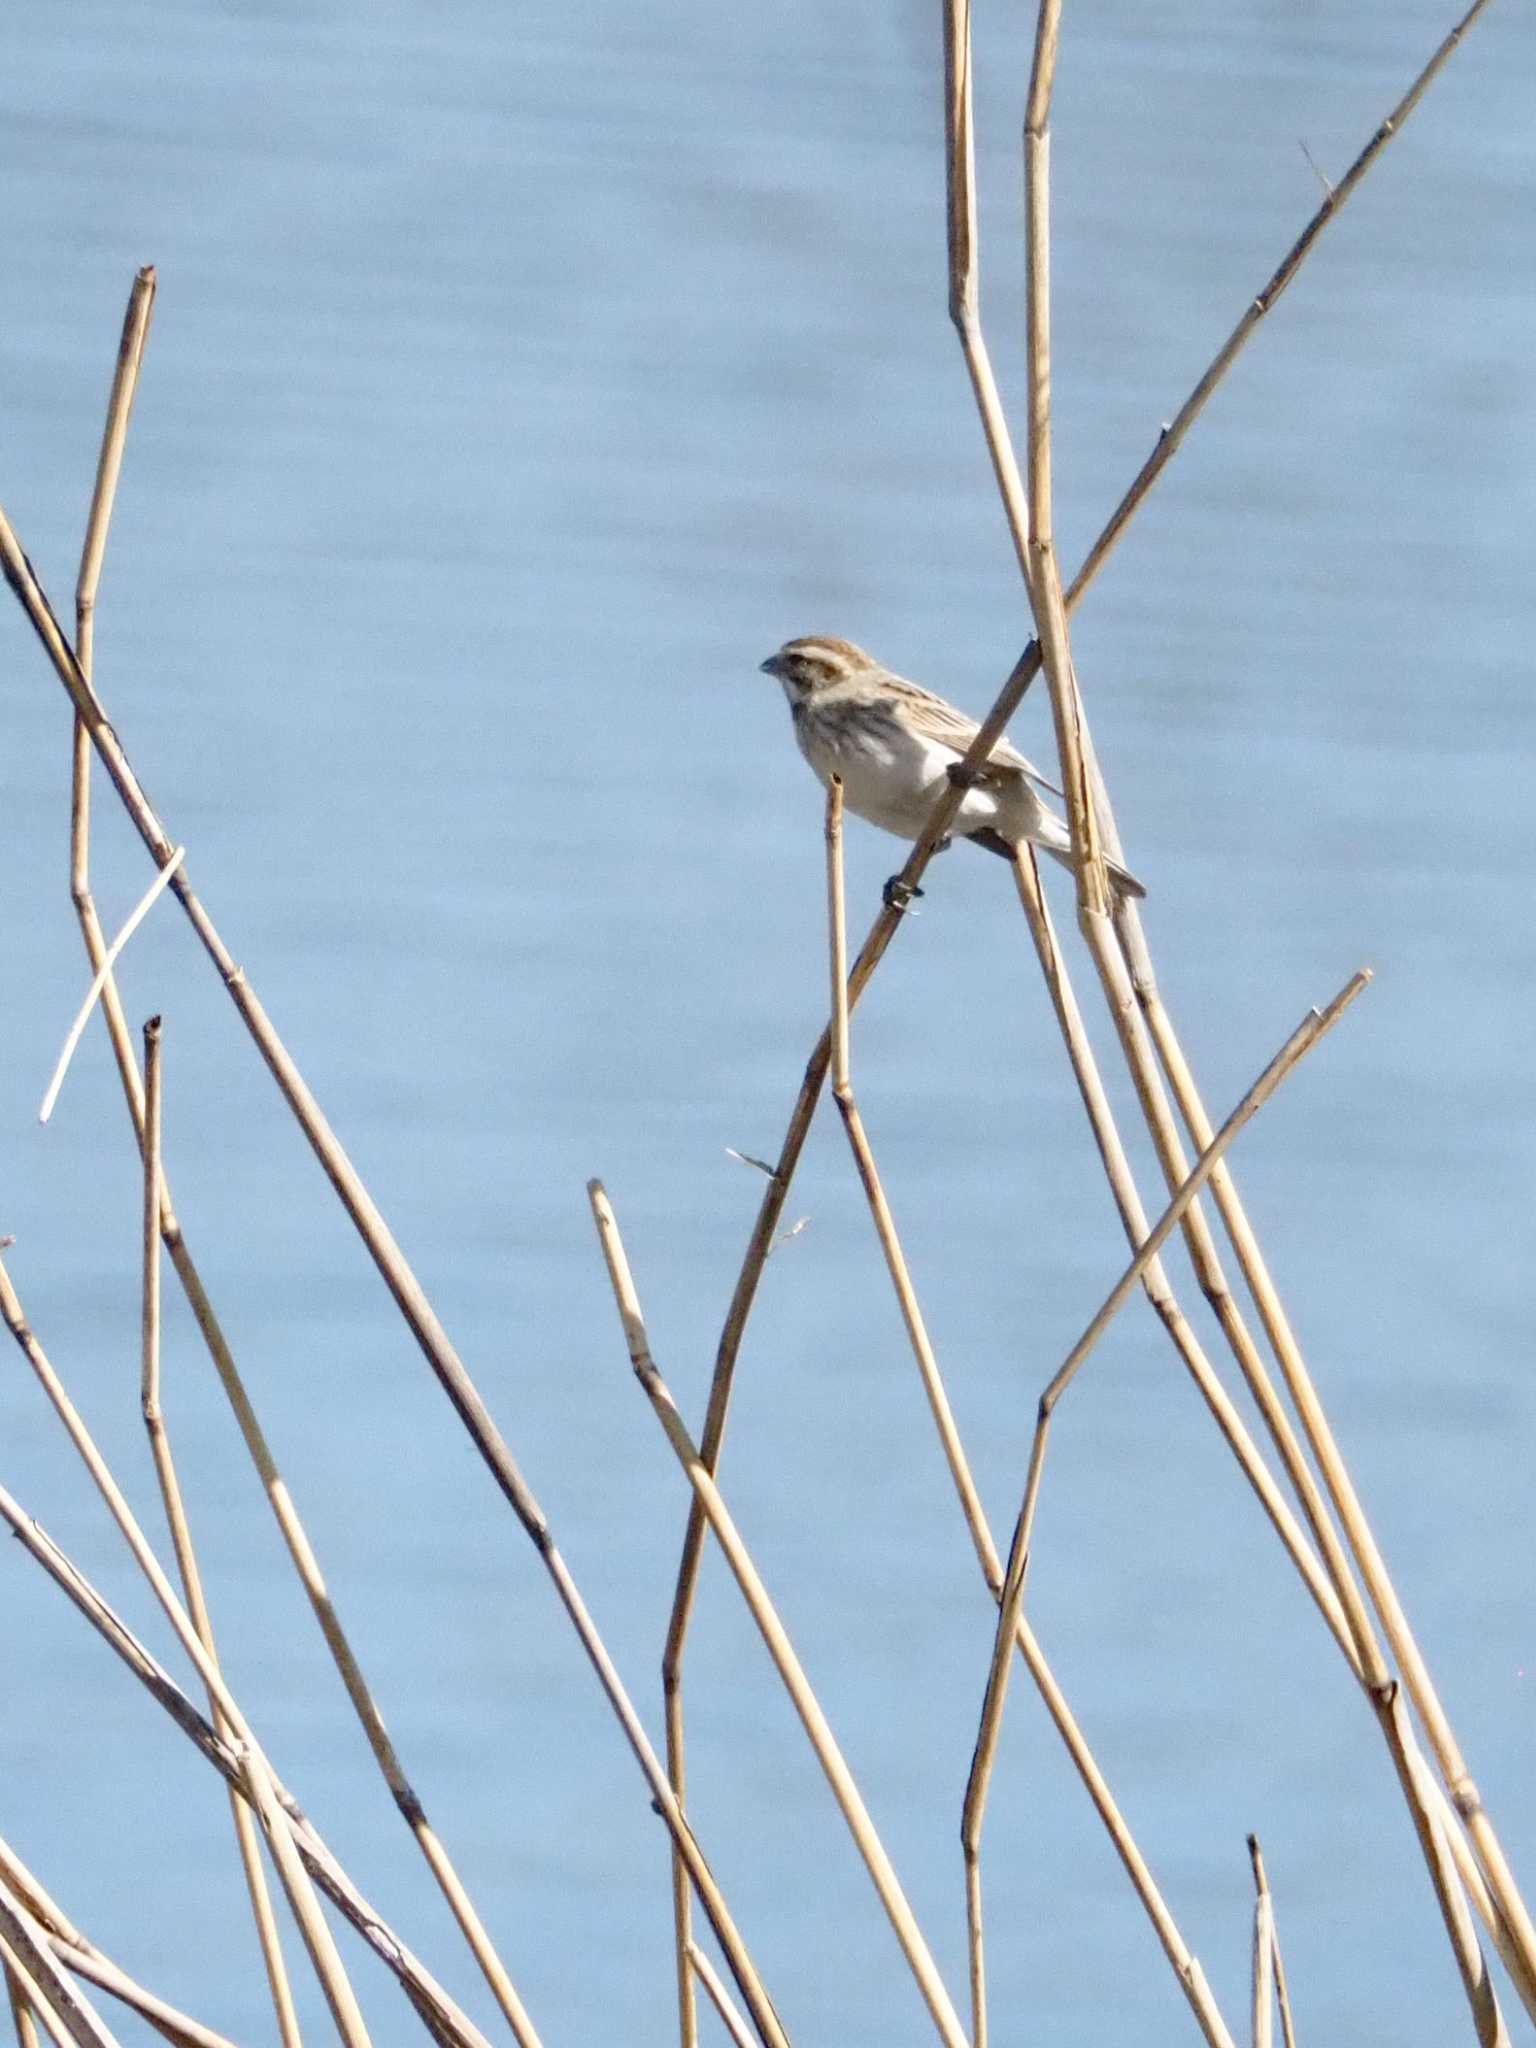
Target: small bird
[[894, 745]]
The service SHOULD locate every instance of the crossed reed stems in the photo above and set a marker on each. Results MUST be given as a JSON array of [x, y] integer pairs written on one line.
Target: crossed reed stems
[[1309, 1501]]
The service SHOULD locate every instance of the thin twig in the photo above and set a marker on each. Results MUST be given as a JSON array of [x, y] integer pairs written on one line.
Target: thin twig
[[1171, 438], [818, 1731]]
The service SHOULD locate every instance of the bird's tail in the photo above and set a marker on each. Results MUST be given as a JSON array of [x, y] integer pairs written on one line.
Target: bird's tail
[[1122, 880]]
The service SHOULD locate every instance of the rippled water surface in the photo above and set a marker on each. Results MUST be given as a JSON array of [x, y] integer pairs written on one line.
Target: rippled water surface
[[518, 381]]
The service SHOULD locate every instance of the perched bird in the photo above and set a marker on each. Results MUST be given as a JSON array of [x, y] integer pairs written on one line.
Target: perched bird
[[894, 745]]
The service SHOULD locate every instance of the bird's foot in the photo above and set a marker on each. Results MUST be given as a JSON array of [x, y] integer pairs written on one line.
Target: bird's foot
[[961, 776], [897, 894]]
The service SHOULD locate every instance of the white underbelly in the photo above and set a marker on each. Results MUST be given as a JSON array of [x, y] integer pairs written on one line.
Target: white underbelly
[[892, 783]]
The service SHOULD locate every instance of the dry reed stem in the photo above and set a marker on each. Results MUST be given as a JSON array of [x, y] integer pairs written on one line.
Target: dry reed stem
[[181, 1535], [52, 1994], [1185, 1966], [1282, 1992], [318, 1941], [131, 924], [109, 464], [170, 2024], [1367, 1661], [1366, 1658], [837, 929], [963, 311], [1070, 735], [21, 2010], [33, 2003], [960, 207], [125, 378], [1075, 747], [446, 2021], [1313, 1027], [1517, 1936], [82, 1956], [294, 1535], [1155, 1281], [1263, 1971], [72, 1948], [1043, 572], [317, 1936], [1175, 1948], [420, 1317], [802, 1696], [1487, 2020], [308, 1569], [719, 1997]]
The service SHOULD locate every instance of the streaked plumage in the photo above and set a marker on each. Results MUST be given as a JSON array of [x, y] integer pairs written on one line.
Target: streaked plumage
[[893, 743]]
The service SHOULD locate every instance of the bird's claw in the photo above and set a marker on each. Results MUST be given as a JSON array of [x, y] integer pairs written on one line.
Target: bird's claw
[[897, 895], [962, 777]]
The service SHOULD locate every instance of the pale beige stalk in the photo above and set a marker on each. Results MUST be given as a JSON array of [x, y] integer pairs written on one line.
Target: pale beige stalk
[[172, 2025], [280, 1501], [1277, 1966], [181, 1534], [72, 1949], [719, 1997], [1514, 1931], [21, 2010], [446, 2020], [1263, 1972], [1307, 1034], [317, 1937], [1074, 746], [818, 1730], [49, 1990], [125, 379], [1185, 1966]]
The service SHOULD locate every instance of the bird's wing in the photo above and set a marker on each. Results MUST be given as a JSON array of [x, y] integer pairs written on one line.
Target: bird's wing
[[951, 728]]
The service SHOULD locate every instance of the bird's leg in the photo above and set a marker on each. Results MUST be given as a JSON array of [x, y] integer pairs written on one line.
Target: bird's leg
[[897, 894], [962, 777]]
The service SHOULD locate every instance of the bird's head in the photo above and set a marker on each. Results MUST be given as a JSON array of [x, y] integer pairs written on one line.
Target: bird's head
[[807, 666]]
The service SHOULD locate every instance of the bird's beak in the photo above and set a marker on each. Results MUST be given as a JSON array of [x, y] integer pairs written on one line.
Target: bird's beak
[[770, 667]]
